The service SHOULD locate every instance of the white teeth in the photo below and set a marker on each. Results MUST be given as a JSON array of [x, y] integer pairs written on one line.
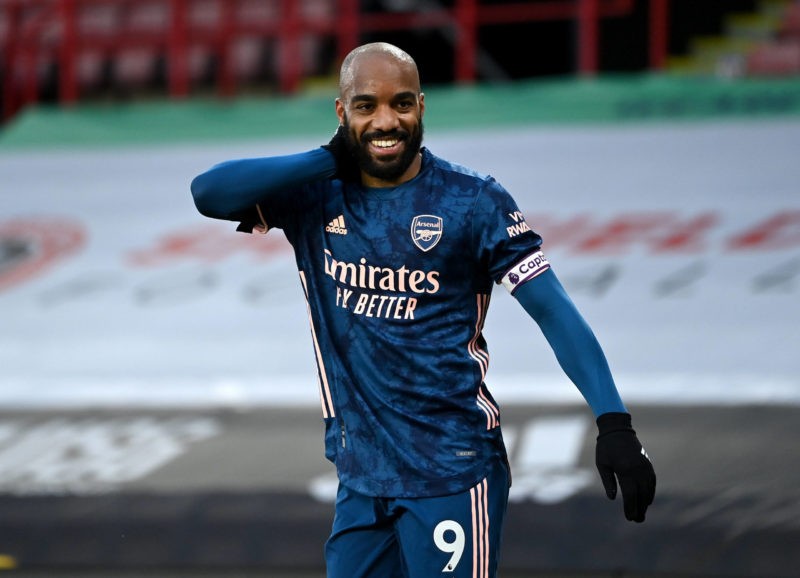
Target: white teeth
[[385, 143]]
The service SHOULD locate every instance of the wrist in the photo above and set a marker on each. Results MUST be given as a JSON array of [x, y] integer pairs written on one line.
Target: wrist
[[613, 421]]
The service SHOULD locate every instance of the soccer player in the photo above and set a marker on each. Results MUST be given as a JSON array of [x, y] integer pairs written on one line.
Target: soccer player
[[398, 251]]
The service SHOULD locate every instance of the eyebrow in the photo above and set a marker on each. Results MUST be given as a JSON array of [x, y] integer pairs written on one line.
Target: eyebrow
[[408, 94]]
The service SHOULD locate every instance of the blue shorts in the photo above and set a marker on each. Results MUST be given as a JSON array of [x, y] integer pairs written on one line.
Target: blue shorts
[[455, 536]]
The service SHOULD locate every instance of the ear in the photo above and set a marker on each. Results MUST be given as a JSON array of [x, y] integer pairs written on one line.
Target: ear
[[421, 104], [340, 112]]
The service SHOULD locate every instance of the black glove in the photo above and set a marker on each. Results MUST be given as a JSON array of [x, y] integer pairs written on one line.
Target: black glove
[[619, 453], [346, 165]]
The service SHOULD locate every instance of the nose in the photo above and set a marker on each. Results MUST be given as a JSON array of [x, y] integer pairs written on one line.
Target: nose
[[385, 119]]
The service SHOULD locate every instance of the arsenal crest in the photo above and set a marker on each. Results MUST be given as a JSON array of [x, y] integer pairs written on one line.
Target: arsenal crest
[[426, 230]]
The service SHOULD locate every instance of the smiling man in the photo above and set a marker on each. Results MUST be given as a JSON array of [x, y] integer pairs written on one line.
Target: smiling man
[[398, 251], [380, 108]]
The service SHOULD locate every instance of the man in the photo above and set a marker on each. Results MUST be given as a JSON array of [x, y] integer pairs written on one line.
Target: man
[[398, 251]]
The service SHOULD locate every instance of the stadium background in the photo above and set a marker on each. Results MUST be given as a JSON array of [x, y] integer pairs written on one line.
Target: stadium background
[[157, 397]]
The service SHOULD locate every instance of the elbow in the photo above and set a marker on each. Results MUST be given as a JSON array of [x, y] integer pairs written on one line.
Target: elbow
[[202, 193]]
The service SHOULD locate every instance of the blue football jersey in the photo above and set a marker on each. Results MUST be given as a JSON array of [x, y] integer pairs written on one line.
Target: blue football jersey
[[398, 283]]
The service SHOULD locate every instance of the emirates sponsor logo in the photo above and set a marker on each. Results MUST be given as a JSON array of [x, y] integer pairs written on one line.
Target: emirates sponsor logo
[[364, 275]]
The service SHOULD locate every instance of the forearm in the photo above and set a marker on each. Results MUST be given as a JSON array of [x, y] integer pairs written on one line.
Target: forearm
[[229, 188], [575, 346]]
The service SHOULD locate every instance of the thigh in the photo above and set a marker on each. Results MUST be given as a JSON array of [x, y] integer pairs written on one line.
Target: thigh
[[455, 536], [363, 543]]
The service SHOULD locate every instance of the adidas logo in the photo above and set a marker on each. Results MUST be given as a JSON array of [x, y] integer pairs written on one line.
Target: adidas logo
[[337, 226]]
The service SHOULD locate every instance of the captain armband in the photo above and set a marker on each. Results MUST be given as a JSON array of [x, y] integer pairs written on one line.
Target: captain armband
[[526, 269]]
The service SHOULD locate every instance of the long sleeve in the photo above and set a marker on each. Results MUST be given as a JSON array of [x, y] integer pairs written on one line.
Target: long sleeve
[[576, 348], [231, 190]]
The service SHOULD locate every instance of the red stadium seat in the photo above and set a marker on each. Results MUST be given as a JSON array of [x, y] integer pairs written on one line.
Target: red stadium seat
[[779, 58], [790, 22]]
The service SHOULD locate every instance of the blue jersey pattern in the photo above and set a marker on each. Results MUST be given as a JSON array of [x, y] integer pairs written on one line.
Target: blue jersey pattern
[[398, 283]]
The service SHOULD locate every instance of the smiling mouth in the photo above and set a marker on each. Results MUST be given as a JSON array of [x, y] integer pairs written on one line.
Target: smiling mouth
[[385, 149], [385, 143]]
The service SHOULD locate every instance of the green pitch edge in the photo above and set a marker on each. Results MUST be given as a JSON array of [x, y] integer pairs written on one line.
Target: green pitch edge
[[618, 99]]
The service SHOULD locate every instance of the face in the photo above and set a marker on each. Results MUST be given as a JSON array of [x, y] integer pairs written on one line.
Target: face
[[382, 111]]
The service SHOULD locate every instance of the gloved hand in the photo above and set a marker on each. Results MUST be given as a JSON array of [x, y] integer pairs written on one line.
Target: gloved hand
[[346, 165], [620, 456]]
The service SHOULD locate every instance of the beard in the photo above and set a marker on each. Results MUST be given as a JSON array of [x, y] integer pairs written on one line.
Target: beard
[[390, 169]]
